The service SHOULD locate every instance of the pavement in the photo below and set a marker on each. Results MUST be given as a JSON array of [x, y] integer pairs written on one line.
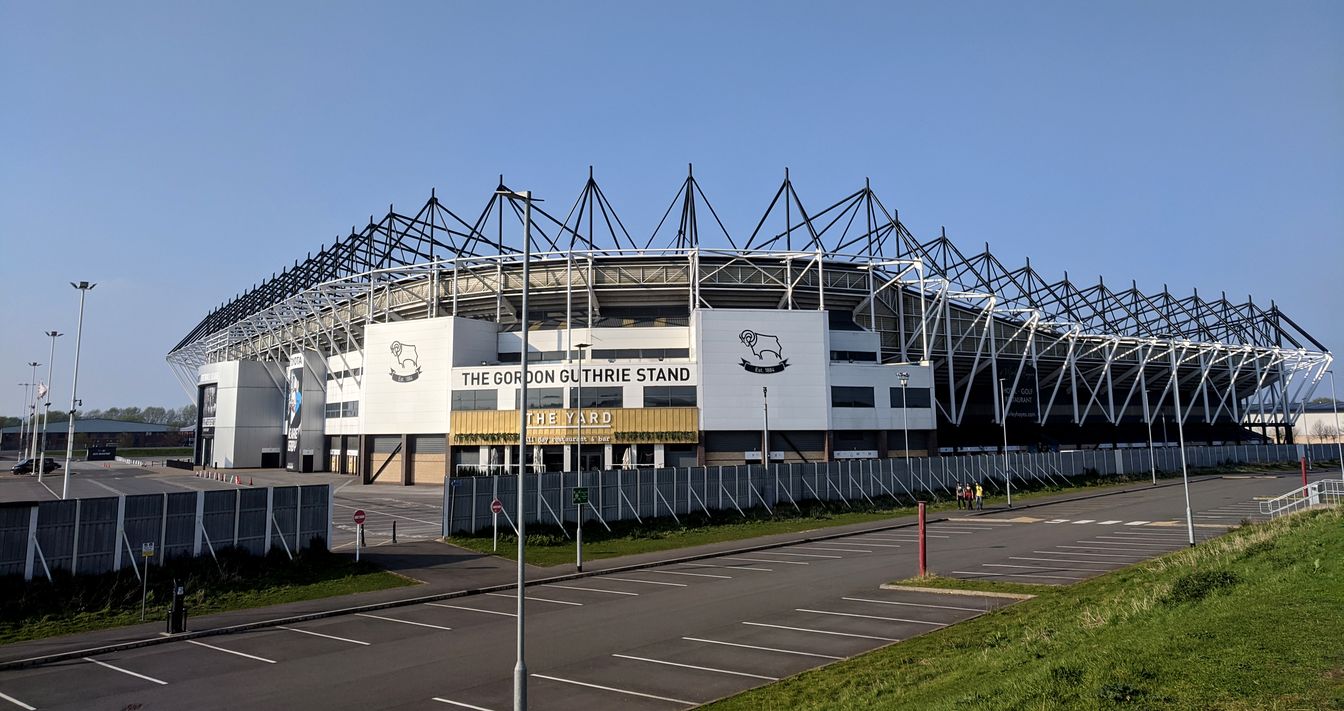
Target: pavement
[[664, 630]]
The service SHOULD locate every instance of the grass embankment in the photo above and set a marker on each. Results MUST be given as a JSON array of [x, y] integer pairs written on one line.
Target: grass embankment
[[1250, 620], [547, 546], [38, 608]]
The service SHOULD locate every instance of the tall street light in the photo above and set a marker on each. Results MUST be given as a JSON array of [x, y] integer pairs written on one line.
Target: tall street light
[[1180, 434], [905, 420], [578, 478], [84, 288], [23, 421], [32, 425], [46, 406], [1003, 417], [520, 667], [1339, 435], [1148, 419]]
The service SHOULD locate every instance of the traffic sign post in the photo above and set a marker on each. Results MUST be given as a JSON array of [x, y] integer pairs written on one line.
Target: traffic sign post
[[359, 531], [496, 506], [580, 498], [146, 552]]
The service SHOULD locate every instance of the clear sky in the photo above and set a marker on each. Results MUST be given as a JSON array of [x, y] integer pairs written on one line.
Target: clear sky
[[176, 153]]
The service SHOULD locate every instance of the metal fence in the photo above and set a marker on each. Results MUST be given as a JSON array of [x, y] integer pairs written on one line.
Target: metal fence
[[638, 494], [89, 536]]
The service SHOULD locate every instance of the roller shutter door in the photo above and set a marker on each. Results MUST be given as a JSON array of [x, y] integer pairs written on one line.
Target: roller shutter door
[[428, 462]]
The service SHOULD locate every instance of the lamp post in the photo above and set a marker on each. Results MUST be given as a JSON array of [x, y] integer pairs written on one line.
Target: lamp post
[[520, 667], [1148, 419], [765, 434], [1180, 434], [1339, 435], [84, 288], [46, 406], [32, 405], [23, 421], [905, 420], [578, 478], [1003, 416]]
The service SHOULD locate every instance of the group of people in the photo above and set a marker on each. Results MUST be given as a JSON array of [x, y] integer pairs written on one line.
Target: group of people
[[970, 496]]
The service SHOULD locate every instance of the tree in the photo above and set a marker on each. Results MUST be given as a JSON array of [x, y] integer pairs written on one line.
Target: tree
[[1324, 430]]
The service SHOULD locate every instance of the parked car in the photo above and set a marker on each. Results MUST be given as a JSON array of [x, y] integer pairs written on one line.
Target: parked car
[[25, 466]]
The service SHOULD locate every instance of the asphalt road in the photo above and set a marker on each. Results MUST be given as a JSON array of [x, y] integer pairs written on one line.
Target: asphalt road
[[659, 638]]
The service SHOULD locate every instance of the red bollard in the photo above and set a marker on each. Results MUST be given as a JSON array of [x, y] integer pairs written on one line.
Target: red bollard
[[1304, 472], [923, 551]]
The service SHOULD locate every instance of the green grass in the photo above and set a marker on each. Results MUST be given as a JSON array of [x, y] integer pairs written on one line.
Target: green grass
[[547, 546], [1250, 620], [934, 581], [38, 608]]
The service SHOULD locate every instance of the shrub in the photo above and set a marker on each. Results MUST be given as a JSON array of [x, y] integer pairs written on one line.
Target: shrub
[[1200, 584]]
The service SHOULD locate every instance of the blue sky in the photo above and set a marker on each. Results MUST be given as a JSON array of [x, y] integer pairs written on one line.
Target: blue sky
[[176, 153]]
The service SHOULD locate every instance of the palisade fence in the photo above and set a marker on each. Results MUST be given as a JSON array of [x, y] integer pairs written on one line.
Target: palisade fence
[[639, 494], [89, 536]]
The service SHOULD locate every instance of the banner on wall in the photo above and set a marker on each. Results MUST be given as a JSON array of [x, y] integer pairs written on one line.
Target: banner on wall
[[209, 397], [293, 412]]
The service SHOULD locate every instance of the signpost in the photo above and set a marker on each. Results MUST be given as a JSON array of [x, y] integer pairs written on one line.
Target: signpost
[[146, 552], [580, 498], [359, 531], [496, 507]]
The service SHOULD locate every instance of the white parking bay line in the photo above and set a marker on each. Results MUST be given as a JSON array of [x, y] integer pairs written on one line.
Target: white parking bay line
[[1058, 520], [1086, 520], [230, 651], [1108, 523], [512, 596], [319, 634], [870, 617], [876, 545], [693, 666], [1099, 555], [1047, 567], [462, 705], [1144, 554], [1063, 560], [1138, 523], [471, 609], [808, 629], [766, 649], [126, 671], [648, 582], [616, 690], [696, 575], [912, 604], [837, 550], [16, 702], [764, 560], [729, 567], [596, 590], [801, 555], [404, 622]]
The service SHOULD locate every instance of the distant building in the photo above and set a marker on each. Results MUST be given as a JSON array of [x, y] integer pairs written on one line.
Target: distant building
[[100, 431], [1320, 423]]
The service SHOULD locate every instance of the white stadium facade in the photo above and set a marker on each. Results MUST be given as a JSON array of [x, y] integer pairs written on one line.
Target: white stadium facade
[[395, 353]]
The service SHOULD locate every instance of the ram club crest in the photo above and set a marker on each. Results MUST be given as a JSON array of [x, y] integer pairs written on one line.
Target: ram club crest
[[767, 355], [407, 366]]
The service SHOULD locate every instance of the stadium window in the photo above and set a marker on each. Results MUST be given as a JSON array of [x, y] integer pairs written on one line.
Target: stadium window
[[475, 400], [640, 353], [851, 396], [669, 396], [541, 398], [350, 408], [597, 397], [854, 356], [333, 409], [914, 397]]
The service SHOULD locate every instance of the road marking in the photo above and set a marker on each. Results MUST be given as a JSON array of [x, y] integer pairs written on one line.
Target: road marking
[[765, 560], [646, 582], [619, 691], [1058, 520], [514, 596], [16, 702], [912, 604], [1108, 523], [1085, 520], [1063, 560], [1145, 554], [729, 567], [696, 575], [877, 545], [126, 671], [404, 622], [870, 617], [1047, 567], [837, 550], [1138, 523], [692, 666], [471, 609], [802, 555], [319, 634], [767, 649], [1016, 575], [1102, 555], [231, 651], [837, 634], [95, 482], [459, 703], [597, 590], [1126, 543], [913, 536]]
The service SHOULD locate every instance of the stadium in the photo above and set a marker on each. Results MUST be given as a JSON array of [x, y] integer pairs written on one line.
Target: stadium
[[824, 333]]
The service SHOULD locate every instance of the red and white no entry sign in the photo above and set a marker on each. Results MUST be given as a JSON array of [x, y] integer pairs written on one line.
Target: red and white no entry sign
[[496, 506], [359, 516]]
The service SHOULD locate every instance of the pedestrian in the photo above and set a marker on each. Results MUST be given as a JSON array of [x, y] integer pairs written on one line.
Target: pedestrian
[[979, 496], [968, 493], [959, 496]]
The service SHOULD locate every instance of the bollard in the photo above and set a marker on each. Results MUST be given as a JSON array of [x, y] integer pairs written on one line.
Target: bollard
[[1304, 472], [923, 551], [177, 611], [394, 530]]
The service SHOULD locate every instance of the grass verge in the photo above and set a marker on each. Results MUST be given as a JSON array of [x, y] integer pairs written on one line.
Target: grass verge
[[547, 545], [1250, 620], [38, 608]]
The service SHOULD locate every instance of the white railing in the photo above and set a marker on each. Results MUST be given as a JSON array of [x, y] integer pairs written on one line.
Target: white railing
[[1318, 493]]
